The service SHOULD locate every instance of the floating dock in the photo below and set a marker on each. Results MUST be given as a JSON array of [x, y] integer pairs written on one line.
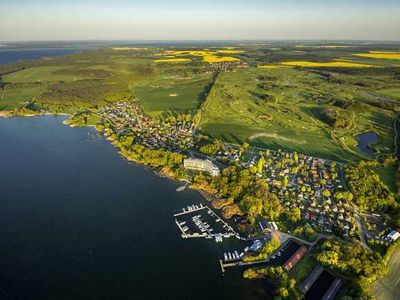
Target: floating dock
[[193, 222]]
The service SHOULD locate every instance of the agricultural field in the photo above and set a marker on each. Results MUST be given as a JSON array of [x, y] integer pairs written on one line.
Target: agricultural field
[[45, 74], [310, 98], [389, 287], [13, 98], [166, 96], [381, 55]]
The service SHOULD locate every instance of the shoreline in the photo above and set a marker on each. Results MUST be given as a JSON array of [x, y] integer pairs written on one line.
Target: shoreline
[[160, 172], [5, 113], [9, 114]]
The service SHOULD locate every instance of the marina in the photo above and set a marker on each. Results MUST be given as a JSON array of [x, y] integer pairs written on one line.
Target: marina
[[287, 255], [199, 221]]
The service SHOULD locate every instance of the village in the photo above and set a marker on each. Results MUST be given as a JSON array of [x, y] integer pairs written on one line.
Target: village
[[312, 191], [172, 134], [313, 188]]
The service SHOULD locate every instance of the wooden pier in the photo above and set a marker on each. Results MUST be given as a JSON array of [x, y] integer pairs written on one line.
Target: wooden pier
[[230, 232]]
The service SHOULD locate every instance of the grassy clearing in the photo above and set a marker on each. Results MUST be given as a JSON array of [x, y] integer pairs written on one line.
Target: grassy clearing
[[388, 288], [165, 97], [388, 176], [303, 268], [269, 66]]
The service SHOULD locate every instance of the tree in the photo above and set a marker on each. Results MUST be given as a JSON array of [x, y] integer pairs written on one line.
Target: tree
[[260, 164], [285, 182], [294, 215], [253, 169], [326, 193], [296, 157], [283, 292]]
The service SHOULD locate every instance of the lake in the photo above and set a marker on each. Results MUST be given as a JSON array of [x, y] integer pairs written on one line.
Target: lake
[[77, 221], [8, 56], [365, 139]]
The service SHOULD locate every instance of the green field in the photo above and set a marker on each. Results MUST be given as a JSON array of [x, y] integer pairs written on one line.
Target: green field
[[167, 97], [388, 288], [391, 93], [17, 97], [38, 74], [388, 176], [282, 107], [279, 107]]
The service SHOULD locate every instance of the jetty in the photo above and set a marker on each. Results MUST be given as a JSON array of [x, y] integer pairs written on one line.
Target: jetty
[[199, 221]]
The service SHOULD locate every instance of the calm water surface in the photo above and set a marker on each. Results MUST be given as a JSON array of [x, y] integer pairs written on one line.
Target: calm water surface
[[8, 56], [365, 139], [77, 221]]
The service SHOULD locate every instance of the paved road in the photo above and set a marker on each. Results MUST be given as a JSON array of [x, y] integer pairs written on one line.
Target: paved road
[[286, 236], [360, 226]]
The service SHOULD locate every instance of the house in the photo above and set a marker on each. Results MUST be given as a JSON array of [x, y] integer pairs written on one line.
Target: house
[[393, 235]]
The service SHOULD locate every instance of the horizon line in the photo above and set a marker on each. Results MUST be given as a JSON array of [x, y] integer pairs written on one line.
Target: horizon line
[[200, 40]]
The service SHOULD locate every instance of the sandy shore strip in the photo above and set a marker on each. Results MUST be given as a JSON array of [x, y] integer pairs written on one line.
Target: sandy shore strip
[[5, 113]]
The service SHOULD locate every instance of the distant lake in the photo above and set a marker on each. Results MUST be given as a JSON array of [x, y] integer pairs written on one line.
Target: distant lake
[[77, 221], [365, 139], [8, 56]]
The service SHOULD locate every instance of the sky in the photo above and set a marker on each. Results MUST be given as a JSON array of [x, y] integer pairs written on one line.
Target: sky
[[44, 20]]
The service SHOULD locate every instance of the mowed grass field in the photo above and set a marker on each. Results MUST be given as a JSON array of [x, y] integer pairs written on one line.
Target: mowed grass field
[[392, 93], [280, 108], [38, 74], [170, 97], [17, 97], [388, 288]]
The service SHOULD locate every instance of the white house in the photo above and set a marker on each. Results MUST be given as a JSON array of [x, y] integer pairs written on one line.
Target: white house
[[393, 235]]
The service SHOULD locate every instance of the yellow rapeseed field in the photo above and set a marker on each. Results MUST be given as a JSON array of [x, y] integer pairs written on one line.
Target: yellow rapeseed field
[[172, 60], [190, 52], [128, 48], [219, 59], [227, 51], [332, 64], [380, 54], [208, 55], [269, 67]]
